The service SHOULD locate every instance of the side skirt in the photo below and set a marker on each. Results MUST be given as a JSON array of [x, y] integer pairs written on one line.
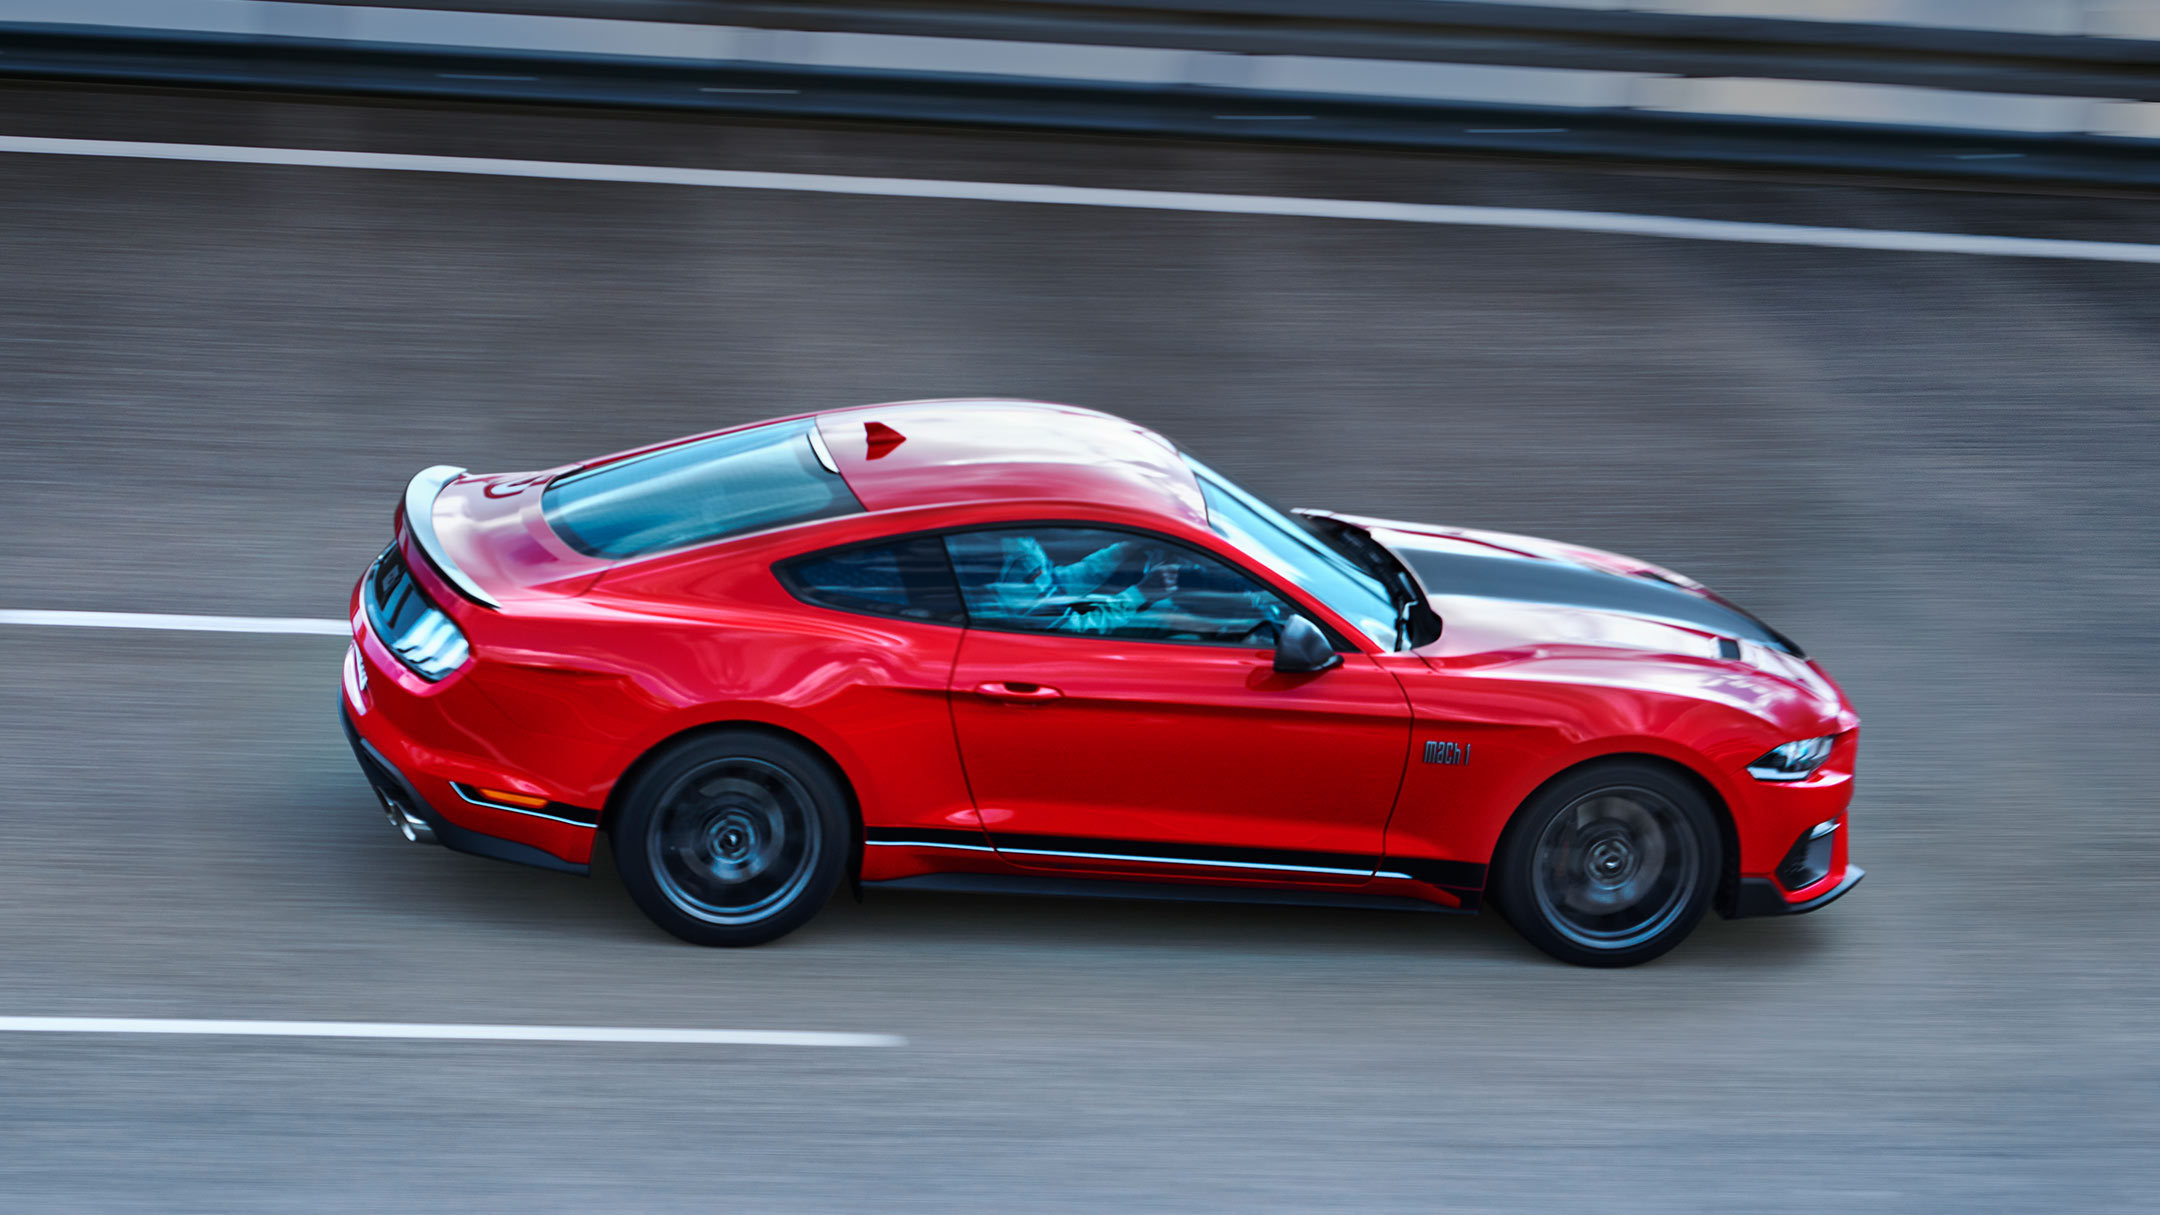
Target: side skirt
[[1163, 892]]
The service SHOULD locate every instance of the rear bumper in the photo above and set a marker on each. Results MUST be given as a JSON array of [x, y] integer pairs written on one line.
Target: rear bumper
[[1759, 896], [401, 798]]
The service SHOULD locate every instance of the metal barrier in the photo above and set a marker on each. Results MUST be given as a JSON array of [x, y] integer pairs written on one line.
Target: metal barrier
[[1664, 88]]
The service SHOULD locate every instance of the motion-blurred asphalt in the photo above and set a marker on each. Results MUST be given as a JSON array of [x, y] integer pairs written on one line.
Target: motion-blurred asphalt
[[1940, 473]]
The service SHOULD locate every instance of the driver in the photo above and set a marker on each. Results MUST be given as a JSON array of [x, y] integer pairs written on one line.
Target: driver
[[1030, 584]]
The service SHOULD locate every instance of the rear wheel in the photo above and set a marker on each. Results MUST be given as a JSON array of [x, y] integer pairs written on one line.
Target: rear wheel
[[1611, 865], [733, 838]]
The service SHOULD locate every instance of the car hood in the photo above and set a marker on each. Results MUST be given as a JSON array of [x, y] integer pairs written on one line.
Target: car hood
[[1586, 615]]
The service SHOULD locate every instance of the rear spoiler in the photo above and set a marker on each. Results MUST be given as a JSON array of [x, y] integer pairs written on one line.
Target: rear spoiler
[[420, 495]]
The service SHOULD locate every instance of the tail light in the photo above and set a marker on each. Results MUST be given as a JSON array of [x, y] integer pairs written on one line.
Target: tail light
[[423, 638]]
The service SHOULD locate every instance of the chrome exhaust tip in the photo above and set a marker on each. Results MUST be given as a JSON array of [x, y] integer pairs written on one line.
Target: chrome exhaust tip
[[413, 828]]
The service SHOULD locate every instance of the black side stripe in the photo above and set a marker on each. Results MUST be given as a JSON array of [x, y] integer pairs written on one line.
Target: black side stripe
[[1463, 878], [1148, 850]]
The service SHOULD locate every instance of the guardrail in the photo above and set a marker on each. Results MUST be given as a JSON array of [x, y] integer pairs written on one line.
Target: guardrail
[[1114, 65], [1611, 36]]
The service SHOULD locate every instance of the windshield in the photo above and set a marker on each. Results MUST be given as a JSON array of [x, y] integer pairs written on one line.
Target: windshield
[[1287, 547], [694, 492]]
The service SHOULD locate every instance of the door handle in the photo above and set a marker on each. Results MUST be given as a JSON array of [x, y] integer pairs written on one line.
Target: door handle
[[1017, 692]]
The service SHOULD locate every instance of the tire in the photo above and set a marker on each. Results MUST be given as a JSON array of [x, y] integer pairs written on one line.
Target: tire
[[732, 838], [1609, 865]]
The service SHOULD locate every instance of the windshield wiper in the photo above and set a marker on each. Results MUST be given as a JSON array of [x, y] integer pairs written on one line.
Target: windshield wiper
[[1402, 623], [1416, 623]]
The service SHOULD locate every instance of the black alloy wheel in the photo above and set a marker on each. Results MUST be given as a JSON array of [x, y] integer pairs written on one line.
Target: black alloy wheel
[[732, 838], [1611, 865]]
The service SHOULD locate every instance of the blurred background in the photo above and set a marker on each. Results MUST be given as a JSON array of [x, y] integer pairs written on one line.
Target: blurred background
[[1936, 470]]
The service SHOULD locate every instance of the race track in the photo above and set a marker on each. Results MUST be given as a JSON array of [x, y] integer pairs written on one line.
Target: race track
[[1939, 472]]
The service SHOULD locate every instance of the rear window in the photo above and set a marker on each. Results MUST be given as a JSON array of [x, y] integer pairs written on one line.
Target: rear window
[[695, 492]]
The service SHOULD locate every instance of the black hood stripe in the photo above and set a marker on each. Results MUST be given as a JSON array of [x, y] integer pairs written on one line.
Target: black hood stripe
[[1566, 585]]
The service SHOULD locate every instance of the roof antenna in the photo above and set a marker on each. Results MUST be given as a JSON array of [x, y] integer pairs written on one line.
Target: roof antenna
[[882, 438]]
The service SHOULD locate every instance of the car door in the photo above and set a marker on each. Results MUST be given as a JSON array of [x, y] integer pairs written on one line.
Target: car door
[[1117, 710]]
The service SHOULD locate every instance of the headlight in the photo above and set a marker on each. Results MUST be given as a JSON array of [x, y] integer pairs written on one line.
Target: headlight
[[1794, 760]]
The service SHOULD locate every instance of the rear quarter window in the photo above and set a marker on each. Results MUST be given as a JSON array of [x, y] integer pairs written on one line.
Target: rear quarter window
[[909, 579], [753, 479]]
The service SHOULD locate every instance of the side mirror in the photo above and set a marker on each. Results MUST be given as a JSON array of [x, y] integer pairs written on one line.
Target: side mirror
[[1302, 648]]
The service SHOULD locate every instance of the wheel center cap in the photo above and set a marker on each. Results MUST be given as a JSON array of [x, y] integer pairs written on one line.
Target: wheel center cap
[[731, 838], [1610, 861]]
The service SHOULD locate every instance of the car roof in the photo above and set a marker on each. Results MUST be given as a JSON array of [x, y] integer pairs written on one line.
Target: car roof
[[927, 453]]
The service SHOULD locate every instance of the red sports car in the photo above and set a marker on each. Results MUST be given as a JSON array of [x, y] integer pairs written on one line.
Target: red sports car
[[1016, 647]]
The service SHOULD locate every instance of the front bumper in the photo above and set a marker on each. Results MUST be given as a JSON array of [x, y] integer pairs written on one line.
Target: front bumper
[[1759, 896], [423, 823]]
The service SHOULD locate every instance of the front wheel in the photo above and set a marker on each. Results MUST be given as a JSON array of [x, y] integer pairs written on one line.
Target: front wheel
[[733, 838], [1612, 865]]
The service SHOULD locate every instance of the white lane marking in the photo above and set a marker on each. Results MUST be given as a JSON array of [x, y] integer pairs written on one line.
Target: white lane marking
[[442, 1033], [193, 624], [1610, 223]]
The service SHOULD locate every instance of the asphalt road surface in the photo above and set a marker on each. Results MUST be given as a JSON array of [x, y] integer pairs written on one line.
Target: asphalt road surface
[[1938, 472]]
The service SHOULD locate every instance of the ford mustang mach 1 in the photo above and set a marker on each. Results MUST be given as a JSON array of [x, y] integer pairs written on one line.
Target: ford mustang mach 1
[[1014, 647]]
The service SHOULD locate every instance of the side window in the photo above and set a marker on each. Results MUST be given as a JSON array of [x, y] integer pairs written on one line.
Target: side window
[[1100, 583], [905, 578]]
